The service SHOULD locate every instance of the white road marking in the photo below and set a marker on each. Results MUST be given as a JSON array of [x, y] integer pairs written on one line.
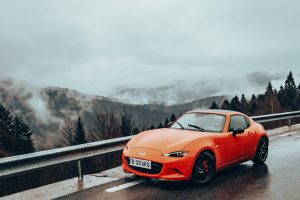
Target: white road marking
[[59, 189], [286, 134], [124, 186]]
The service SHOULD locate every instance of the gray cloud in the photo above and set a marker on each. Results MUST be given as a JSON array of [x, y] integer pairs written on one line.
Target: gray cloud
[[263, 78], [178, 49]]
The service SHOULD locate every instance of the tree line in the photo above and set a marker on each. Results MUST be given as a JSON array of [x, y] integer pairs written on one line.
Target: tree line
[[272, 101], [106, 125], [15, 134]]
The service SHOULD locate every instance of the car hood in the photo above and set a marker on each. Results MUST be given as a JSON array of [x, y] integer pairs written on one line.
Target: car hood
[[165, 140]]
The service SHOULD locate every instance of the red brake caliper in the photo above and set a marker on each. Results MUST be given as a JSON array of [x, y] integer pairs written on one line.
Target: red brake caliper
[[205, 166]]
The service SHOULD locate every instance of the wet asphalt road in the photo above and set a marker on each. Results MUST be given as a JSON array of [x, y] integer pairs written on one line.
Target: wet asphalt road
[[279, 178]]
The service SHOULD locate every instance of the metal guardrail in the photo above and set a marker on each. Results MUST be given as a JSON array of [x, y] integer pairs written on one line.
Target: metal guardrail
[[276, 117], [15, 165]]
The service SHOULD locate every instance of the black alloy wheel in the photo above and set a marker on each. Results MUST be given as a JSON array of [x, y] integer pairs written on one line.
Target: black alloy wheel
[[261, 151], [204, 168]]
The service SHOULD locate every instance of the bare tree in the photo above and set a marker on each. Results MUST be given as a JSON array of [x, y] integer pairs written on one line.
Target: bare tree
[[68, 131], [106, 125]]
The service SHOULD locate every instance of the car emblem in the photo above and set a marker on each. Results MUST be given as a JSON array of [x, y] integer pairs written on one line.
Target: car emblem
[[142, 154]]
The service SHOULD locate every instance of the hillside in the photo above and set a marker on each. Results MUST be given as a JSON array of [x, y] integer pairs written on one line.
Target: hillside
[[46, 108]]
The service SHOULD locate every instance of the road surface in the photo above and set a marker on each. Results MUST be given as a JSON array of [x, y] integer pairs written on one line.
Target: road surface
[[279, 178]]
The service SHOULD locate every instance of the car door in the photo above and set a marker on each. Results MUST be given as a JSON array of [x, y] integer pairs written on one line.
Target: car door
[[238, 146]]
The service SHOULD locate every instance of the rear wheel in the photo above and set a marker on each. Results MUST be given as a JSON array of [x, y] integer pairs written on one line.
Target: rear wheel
[[204, 168], [261, 151]]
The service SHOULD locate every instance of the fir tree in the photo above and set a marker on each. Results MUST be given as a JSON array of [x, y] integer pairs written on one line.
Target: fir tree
[[79, 137], [166, 122], [22, 132], [281, 95], [269, 90], [235, 104], [160, 125], [226, 105], [135, 130], [173, 118], [244, 104], [15, 134], [214, 105], [297, 103], [253, 105], [298, 99], [151, 127], [6, 119], [290, 93]]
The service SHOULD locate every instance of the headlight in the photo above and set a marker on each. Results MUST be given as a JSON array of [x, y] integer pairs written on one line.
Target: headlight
[[176, 154]]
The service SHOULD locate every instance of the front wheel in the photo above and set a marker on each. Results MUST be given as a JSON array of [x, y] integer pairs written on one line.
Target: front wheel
[[204, 168], [261, 151]]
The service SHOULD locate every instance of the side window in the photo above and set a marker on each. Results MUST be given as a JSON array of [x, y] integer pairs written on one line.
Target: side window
[[247, 121], [237, 121]]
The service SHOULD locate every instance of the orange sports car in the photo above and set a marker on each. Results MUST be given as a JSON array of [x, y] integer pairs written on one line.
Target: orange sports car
[[196, 146]]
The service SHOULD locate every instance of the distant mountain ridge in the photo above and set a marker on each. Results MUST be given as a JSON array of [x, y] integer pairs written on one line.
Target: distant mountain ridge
[[46, 108]]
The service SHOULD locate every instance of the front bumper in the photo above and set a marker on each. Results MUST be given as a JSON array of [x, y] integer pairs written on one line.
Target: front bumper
[[164, 167]]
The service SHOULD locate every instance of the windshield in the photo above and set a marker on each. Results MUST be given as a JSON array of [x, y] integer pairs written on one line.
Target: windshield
[[201, 121]]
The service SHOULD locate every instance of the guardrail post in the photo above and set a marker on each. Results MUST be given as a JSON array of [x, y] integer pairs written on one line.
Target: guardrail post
[[80, 174], [290, 124]]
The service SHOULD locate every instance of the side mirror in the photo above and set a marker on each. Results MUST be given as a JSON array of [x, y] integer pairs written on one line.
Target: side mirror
[[170, 124], [237, 130]]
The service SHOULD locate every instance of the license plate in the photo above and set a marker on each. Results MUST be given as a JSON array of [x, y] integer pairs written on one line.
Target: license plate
[[140, 163]]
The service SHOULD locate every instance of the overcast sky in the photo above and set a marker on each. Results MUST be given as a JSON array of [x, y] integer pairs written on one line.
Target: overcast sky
[[171, 51]]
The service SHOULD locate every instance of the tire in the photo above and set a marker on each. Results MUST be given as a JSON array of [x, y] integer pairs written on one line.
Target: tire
[[204, 168], [262, 150]]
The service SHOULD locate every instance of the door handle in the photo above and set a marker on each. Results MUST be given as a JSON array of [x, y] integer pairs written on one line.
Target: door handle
[[250, 133]]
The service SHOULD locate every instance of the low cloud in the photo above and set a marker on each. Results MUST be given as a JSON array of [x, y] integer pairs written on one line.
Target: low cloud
[[263, 78], [189, 50]]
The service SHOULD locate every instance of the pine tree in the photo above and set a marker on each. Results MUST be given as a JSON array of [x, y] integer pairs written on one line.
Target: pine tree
[[15, 134], [126, 123], [269, 90], [244, 104], [297, 103], [135, 130], [298, 99], [79, 137], [226, 105], [214, 105], [269, 98], [235, 104], [290, 93], [22, 132], [280, 95], [253, 105], [151, 127], [160, 125], [173, 118], [166, 122], [6, 119]]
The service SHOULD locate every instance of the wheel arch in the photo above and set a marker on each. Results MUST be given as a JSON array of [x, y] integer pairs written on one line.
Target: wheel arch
[[206, 149]]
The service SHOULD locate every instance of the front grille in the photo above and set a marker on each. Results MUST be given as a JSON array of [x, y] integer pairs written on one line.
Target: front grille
[[155, 167]]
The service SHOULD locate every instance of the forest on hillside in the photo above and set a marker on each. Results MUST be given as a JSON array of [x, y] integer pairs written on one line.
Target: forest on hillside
[[16, 133], [287, 98]]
